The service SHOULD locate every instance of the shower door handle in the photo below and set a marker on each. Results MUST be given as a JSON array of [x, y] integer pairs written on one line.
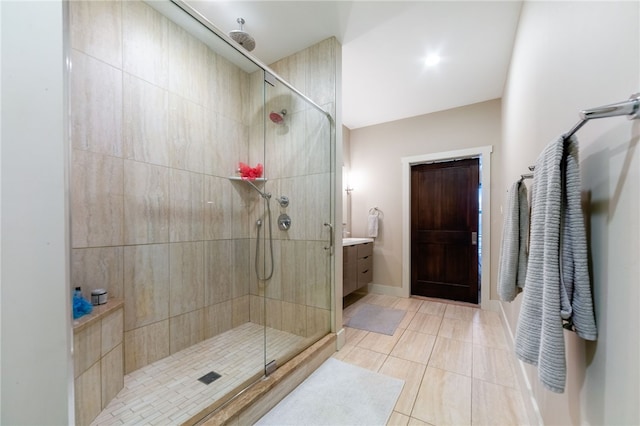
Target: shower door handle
[[330, 235]]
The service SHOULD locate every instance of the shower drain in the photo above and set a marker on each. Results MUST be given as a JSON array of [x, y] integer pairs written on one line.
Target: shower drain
[[209, 378]]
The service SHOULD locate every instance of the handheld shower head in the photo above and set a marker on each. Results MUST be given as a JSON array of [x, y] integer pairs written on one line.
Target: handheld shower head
[[242, 37]]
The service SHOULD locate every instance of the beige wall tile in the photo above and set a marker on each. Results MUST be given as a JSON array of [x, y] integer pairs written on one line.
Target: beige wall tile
[[317, 281], [257, 313], [317, 144], [96, 97], [146, 285], [217, 318], [186, 283], [227, 145], [102, 267], [145, 43], [218, 208], [240, 310], [294, 268], [444, 398], [318, 322], [230, 88], [294, 318], [414, 346], [320, 71], [411, 373], [273, 313], [88, 400], [112, 330], [97, 200], [186, 212], [146, 118], [218, 269], [189, 65], [425, 323], [96, 29], [317, 206], [494, 365], [452, 355], [145, 345], [112, 372], [86, 348], [185, 330], [456, 329], [146, 205], [186, 134], [242, 267], [497, 405]]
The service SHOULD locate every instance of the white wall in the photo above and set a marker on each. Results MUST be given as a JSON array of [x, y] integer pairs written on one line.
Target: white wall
[[570, 56], [35, 296], [376, 153]]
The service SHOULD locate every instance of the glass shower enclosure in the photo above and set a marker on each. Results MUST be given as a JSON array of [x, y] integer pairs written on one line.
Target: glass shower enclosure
[[223, 277]]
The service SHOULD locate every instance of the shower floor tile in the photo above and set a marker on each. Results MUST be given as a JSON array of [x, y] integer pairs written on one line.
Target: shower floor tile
[[168, 391]]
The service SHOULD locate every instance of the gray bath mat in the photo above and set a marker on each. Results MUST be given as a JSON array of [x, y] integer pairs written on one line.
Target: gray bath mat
[[337, 394], [377, 319]]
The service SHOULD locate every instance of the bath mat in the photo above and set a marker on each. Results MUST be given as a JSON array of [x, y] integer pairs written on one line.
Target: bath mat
[[377, 319], [337, 394]]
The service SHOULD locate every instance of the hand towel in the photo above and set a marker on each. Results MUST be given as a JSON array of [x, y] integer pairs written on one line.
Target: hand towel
[[373, 225], [557, 287], [513, 250]]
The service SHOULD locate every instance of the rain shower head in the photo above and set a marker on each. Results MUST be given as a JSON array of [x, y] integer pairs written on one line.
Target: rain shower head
[[278, 118], [242, 37]]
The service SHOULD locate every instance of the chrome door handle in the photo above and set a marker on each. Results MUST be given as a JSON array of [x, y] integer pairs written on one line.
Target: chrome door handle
[[330, 235]]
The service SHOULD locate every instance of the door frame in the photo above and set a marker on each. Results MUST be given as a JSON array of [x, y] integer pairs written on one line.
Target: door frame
[[482, 152]]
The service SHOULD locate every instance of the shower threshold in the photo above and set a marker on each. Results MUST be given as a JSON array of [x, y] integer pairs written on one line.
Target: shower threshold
[[168, 391]]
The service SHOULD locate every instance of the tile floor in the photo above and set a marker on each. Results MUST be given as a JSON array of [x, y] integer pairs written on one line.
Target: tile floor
[[454, 360], [168, 392]]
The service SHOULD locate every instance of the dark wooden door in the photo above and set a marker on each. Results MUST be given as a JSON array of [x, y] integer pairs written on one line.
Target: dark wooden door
[[444, 230]]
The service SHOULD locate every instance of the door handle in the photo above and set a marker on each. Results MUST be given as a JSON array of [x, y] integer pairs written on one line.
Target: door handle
[[474, 238], [330, 248]]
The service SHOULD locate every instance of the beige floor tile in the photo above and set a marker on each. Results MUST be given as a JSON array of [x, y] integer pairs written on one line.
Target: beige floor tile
[[456, 329], [397, 419], [487, 335], [496, 405], [444, 398], [414, 346], [452, 355], [365, 358], [462, 313], [382, 300], [487, 318], [354, 335], [408, 304], [432, 308], [425, 323], [411, 373], [408, 317], [494, 365], [415, 422], [382, 343]]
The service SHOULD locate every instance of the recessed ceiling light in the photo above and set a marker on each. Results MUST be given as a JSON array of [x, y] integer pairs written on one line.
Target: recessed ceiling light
[[432, 60]]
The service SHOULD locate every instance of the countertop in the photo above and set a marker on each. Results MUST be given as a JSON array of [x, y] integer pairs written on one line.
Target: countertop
[[354, 241]]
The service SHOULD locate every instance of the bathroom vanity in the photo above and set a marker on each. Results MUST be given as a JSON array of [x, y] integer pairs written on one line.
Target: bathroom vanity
[[357, 271]]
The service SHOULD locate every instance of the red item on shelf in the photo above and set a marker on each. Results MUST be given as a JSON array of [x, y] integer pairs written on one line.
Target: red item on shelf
[[250, 173]]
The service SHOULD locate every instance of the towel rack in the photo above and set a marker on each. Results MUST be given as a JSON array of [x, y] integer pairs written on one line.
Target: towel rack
[[630, 108]]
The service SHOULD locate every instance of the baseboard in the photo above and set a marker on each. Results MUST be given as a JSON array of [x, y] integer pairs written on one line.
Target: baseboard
[[386, 290], [530, 402]]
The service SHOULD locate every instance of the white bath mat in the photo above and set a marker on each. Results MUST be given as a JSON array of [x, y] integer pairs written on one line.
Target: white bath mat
[[337, 394], [377, 319]]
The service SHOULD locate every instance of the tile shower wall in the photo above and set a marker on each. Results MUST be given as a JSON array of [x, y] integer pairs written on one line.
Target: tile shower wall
[[157, 126], [158, 122]]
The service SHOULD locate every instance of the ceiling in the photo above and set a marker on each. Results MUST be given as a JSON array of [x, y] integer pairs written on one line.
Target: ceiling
[[384, 44]]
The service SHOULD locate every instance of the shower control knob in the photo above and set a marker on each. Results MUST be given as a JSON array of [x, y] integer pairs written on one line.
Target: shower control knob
[[284, 222]]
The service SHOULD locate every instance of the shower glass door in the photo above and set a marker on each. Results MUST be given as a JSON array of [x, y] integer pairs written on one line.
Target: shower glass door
[[298, 164]]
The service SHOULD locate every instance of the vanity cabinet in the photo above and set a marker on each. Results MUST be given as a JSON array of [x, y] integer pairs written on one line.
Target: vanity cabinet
[[357, 269]]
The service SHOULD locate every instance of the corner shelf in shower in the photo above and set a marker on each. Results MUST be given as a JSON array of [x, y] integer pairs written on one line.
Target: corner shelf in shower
[[239, 179]]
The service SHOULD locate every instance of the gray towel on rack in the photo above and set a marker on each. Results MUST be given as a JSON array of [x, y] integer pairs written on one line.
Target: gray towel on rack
[[515, 237], [557, 288]]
